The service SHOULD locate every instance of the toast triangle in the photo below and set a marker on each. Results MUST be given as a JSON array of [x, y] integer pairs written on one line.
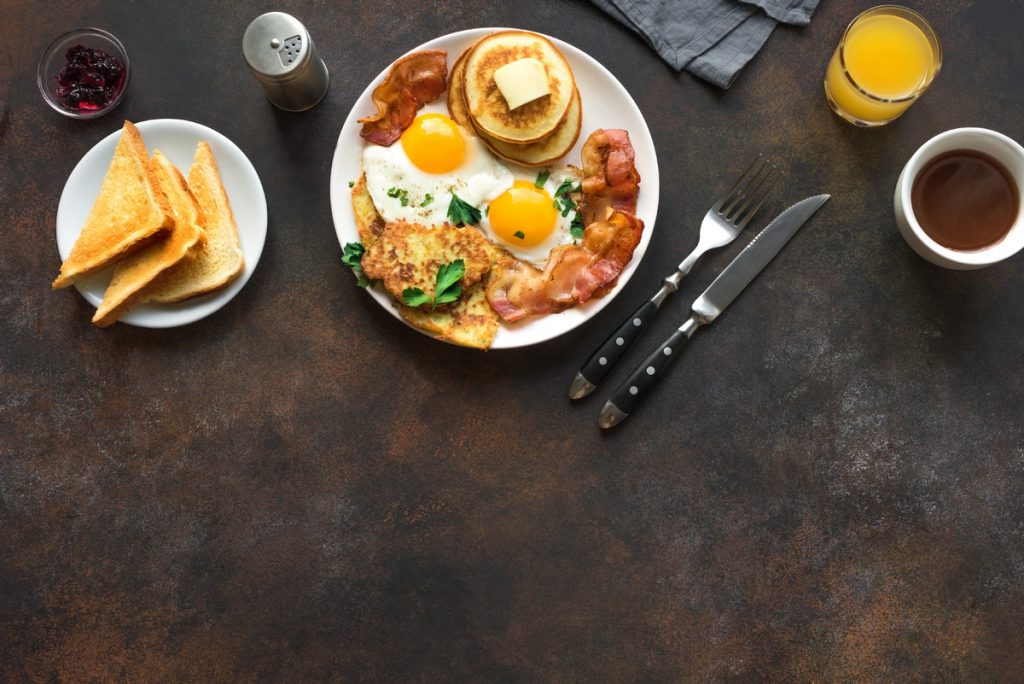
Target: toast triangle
[[219, 260], [129, 211], [140, 269]]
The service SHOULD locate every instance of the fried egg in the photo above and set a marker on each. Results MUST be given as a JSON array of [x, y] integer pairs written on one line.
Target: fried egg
[[415, 179], [530, 221]]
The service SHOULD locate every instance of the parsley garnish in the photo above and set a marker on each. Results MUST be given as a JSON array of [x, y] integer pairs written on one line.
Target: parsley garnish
[[351, 184], [576, 227], [566, 187], [519, 234], [542, 178], [460, 213], [447, 287], [563, 202], [352, 256], [415, 297], [427, 199], [401, 195]]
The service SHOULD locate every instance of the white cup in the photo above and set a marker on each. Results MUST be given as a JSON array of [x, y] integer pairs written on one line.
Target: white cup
[[996, 145]]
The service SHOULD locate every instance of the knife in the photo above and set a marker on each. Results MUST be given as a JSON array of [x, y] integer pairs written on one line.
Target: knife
[[727, 286]]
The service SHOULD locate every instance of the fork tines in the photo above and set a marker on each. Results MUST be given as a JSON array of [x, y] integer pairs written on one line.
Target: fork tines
[[744, 199]]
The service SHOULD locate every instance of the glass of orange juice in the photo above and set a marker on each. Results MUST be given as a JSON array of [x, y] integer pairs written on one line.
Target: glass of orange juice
[[887, 57]]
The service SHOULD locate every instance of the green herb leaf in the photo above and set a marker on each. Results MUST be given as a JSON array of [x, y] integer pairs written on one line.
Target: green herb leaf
[[352, 256], [519, 234], [399, 194], [460, 213], [415, 297], [449, 295], [566, 187], [563, 202], [448, 277], [542, 178], [427, 199], [576, 228], [351, 184], [447, 287]]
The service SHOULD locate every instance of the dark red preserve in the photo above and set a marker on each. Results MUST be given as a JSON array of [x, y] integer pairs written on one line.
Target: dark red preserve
[[91, 80]]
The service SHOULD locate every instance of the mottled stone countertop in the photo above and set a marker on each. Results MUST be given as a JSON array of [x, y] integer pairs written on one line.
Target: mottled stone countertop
[[830, 487]]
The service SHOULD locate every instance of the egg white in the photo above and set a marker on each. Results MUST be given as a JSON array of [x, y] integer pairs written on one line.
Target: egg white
[[561, 232], [479, 179]]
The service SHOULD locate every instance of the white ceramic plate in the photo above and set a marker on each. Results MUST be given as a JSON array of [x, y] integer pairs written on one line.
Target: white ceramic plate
[[606, 104], [177, 139]]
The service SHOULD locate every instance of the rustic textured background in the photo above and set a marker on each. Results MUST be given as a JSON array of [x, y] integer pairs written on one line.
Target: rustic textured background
[[830, 487]]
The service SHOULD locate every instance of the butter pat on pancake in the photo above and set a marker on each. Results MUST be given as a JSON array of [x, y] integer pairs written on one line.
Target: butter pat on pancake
[[522, 81], [487, 106]]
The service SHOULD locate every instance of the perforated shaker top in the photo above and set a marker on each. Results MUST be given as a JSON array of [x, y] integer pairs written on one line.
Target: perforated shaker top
[[275, 44]]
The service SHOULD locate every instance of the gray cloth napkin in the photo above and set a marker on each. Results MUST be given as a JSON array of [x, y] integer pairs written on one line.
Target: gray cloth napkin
[[712, 39]]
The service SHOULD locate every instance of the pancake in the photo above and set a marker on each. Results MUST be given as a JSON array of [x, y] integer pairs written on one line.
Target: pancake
[[457, 93], [486, 105], [546, 151]]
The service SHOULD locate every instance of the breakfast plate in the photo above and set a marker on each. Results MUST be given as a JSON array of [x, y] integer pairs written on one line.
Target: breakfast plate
[[177, 139], [606, 104]]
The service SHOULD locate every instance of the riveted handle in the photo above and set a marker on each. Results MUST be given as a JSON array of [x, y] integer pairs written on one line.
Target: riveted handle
[[600, 363], [630, 393]]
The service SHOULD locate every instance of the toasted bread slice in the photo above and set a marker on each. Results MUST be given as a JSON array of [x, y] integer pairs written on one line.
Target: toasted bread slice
[[486, 105], [409, 255], [546, 151], [135, 272], [219, 260], [129, 211]]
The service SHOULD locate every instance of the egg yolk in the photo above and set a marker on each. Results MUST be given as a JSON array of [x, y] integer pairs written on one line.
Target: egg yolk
[[523, 215], [434, 143]]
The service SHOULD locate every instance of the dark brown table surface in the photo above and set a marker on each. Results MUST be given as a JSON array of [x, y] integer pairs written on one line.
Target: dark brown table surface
[[830, 486]]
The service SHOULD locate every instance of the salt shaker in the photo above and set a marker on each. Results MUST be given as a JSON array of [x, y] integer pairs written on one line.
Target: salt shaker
[[281, 55]]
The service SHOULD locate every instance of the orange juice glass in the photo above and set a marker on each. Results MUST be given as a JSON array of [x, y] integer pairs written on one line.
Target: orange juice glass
[[887, 57]]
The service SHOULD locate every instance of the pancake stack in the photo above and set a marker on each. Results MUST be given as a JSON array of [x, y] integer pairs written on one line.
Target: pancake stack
[[534, 134]]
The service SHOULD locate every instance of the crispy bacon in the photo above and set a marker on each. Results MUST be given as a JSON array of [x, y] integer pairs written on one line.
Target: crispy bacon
[[412, 81], [573, 273], [610, 176]]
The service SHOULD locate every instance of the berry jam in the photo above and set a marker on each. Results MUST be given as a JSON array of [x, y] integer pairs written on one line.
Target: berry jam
[[91, 80]]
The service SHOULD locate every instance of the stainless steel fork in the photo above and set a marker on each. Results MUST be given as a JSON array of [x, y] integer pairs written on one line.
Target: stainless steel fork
[[726, 219]]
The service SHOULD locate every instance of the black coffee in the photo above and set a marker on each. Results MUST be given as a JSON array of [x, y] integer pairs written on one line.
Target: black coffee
[[965, 200]]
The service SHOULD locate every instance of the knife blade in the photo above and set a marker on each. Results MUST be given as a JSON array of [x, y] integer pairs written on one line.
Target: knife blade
[[708, 306]]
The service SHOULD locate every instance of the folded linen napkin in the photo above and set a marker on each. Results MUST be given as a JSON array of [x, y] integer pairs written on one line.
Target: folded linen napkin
[[712, 39]]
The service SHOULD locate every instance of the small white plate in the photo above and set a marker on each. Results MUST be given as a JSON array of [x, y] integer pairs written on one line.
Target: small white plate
[[177, 139], [606, 104]]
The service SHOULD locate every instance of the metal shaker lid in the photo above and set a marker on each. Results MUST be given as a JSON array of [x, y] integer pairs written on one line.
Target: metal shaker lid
[[275, 45]]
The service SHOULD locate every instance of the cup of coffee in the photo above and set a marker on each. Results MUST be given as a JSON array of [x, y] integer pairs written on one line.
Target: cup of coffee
[[957, 200]]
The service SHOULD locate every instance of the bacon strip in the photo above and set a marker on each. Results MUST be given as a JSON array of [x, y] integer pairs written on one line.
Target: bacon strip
[[412, 81], [610, 176], [573, 273]]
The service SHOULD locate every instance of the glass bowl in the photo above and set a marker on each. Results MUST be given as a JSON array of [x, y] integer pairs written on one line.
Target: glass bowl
[[54, 59]]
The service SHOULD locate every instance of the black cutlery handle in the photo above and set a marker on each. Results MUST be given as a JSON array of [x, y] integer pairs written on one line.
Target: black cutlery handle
[[630, 393], [597, 367]]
